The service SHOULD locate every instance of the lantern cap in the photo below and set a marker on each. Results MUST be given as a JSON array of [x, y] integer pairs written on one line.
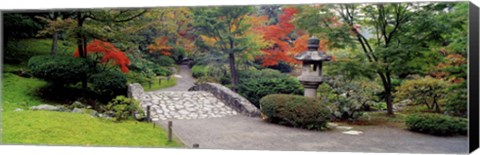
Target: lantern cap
[[312, 54]]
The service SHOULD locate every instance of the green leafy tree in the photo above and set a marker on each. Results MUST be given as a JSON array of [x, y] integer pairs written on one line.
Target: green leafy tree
[[395, 39], [224, 29]]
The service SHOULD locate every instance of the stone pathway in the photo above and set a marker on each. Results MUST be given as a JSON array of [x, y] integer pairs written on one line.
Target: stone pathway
[[186, 105], [184, 80], [178, 103]]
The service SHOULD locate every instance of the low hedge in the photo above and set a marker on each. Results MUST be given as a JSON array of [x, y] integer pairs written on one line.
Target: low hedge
[[59, 70], [295, 111], [109, 82], [164, 61], [199, 71], [255, 84], [437, 124], [162, 71]]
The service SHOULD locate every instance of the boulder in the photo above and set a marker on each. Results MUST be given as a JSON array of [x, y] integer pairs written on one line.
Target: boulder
[[77, 104], [47, 107], [78, 110]]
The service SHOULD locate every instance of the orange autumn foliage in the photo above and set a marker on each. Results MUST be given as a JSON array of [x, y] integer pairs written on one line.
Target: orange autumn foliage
[[451, 60], [161, 46], [283, 48], [109, 52]]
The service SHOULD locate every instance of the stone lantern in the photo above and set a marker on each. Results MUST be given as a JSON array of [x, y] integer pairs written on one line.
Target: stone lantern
[[312, 59]]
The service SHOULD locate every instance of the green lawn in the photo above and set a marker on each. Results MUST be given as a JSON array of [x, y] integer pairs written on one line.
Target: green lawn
[[156, 85], [62, 128], [19, 92], [43, 46]]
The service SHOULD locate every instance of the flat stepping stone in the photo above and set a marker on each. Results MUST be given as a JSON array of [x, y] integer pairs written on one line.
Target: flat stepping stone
[[344, 127], [332, 124], [352, 132]]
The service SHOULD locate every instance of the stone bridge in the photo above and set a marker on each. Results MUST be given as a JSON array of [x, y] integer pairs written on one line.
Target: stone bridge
[[207, 100]]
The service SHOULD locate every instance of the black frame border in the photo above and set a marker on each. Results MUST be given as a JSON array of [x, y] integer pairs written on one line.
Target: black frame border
[[473, 84]]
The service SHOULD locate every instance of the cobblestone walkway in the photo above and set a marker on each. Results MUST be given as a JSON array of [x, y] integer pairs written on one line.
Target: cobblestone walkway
[[167, 105]]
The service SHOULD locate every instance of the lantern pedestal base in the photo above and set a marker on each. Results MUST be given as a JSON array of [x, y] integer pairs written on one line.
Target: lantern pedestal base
[[309, 92], [310, 88]]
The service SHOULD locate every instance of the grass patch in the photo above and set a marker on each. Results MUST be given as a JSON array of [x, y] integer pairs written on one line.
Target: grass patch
[[20, 51], [19, 92], [43, 46], [60, 128], [380, 118], [156, 85]]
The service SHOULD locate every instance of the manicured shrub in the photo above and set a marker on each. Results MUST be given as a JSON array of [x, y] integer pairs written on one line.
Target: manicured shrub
[[199, 71], [437, 124], [109, 83], [296, 111], [124, 108], [163, 61], [255, 84], [59, 70]]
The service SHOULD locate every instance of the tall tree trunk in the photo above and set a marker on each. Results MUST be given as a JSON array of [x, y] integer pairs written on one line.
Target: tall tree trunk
[[233, 71], [54, 42], [81, 44], [387, 87], [389, 101], [437, 107]]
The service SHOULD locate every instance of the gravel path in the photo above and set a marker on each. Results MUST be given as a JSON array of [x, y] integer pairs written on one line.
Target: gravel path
[[184, 80], [232, 131], [251, 133]]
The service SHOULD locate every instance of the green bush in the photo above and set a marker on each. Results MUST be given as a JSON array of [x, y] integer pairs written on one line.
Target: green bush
[[199, 71], [296, 111], [348, 98], [124, 107], [436, 124], [162, 71], [255, 84], [283, 67], [428, 91], [457, 99], [163, 61], [178, 53], [109, 83], [59, 70]]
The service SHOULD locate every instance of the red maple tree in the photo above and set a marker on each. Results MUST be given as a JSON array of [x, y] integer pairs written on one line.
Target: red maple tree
[[284, 48], [109, 53]]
